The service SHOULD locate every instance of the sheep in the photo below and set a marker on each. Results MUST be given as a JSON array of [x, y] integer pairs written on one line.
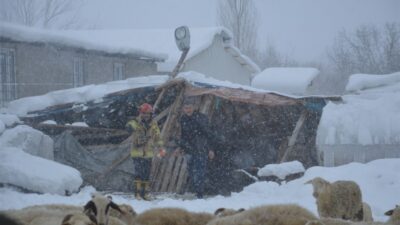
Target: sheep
[[341, 199], [100, 206], [128, 215], [59, 218], [222, 212], [393, 220], [287, 214], [9, 221], [172, 216], [394, 215], [367, 217]]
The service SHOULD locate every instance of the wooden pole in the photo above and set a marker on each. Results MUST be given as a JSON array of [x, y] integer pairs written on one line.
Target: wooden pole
[[295, 134]]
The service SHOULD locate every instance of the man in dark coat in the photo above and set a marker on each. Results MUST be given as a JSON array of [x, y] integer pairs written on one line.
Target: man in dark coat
[[196, 141]]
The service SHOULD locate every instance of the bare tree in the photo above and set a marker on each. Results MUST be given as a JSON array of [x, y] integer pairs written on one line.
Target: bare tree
[[240, 16], [272, 57], [41, 13], [367, 50]]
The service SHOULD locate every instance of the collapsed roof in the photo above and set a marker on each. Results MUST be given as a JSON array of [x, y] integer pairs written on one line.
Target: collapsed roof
[[258, 127]]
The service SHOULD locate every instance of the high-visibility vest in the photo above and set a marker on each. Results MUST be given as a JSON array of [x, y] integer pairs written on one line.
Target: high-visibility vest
[[145, 141]]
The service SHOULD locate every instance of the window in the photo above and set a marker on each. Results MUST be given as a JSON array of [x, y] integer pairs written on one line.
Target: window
[[119, 71], [79, 75], [8, 86]]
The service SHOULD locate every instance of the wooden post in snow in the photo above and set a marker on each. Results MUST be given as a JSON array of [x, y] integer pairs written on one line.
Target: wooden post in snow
[[295, 134]]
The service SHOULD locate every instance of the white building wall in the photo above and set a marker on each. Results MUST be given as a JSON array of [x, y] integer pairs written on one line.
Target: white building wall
[[216, 62], [336, 155]]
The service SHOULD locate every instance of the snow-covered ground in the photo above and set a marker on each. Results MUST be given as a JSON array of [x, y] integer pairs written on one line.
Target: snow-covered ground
[[379, 181]]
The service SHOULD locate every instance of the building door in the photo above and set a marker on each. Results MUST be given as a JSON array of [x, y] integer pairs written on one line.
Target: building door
[[8, 86]]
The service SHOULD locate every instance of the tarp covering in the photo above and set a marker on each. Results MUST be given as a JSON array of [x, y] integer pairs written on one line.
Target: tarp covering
[[92, 165]]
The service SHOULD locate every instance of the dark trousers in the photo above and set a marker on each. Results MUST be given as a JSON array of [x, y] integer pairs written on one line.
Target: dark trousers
[[197, 173], [142, 168]]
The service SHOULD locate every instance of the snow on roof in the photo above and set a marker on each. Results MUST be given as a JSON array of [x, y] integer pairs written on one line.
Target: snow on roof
[[101, 42], [92, 92], [287, 80], [359, 82], [79, 95], [372, 116], [154, 43]]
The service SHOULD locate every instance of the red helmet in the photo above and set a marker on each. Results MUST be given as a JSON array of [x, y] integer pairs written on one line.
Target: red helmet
[[145, 108]]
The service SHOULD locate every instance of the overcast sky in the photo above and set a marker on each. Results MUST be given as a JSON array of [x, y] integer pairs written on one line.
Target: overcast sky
[[300, 28]]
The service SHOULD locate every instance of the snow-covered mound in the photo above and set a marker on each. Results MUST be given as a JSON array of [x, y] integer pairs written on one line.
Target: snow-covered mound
[[358, 82], [281, 170], [29, 140], [371, 116], [286, 80], [37, 174]]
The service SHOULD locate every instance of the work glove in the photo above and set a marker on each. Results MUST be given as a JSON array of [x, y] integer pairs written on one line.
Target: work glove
[[161, 153]]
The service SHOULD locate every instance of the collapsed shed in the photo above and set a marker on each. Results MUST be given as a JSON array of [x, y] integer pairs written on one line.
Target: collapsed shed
[[257, 128]]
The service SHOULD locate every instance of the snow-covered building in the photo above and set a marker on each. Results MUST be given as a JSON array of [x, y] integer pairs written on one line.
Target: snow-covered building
[[289, 80], [366, 125], [35, 61]]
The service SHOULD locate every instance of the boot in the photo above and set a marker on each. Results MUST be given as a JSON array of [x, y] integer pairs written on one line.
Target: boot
[[146, 190], [138, 188]]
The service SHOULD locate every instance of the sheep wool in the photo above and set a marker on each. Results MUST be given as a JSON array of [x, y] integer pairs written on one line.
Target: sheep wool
[[287, 214], [341, 199], [172, 216]]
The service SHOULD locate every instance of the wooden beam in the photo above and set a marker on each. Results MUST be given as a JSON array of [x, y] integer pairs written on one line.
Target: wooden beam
[[162, 114], [295, 134]]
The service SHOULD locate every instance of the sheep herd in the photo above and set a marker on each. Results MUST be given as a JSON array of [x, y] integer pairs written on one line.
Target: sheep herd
[[338, 203]]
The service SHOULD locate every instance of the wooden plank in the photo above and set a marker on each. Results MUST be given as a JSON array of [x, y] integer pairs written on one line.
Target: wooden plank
[[159, 175], [159, 172], [175, 174], [172, 116], [182, 177], [293, 138], [162, 114], [160, 96], [168, 173]]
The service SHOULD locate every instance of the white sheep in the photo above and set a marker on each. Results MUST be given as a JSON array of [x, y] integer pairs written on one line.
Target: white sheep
[[340, 199], [100, 206], [126, 215], [59, 218], [393, 220], [367, 217], [287, 214]]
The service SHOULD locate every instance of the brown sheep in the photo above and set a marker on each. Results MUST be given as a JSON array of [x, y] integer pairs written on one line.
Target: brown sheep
[[287, 214], [172, 216], [341, 199]]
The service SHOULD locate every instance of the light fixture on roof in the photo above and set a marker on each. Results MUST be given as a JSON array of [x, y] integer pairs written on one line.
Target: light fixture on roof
[[182, 38]]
